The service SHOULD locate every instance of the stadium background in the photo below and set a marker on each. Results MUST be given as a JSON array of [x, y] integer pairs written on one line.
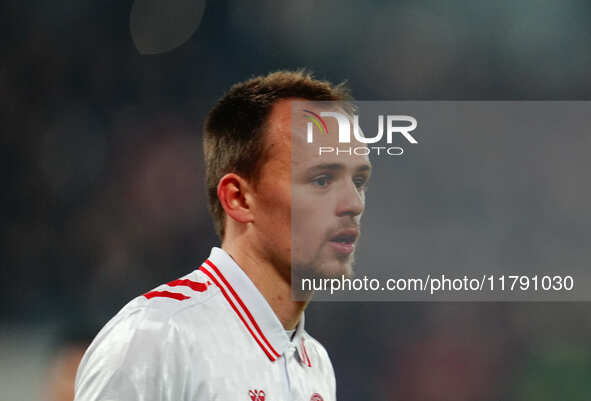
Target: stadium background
[[103, 194]]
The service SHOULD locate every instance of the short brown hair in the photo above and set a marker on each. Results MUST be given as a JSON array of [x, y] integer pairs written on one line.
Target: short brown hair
[[233, 140]]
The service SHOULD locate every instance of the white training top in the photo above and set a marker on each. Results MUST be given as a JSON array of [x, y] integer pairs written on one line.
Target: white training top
[[210, 335]]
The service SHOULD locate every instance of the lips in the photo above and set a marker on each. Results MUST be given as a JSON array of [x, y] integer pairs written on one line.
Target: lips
[[346, 236], [344, 240]]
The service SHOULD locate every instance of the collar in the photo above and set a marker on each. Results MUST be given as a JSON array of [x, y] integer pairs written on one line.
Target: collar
[[251, 307], [300, 342]]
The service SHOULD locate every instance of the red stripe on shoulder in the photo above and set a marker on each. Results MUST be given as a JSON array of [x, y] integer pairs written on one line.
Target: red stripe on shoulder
[[166, 294], [194, 285]]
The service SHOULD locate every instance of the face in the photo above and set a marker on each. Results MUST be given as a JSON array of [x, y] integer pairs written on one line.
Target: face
[[310, 205]]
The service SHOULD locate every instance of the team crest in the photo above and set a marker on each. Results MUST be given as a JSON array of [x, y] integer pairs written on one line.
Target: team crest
[[316, 397], [258, 395]]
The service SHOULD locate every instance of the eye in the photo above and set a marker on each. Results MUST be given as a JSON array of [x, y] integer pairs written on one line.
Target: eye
[[360, 182], [321, 181]]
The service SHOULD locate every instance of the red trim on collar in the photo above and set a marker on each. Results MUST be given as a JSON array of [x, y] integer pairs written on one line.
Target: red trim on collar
[[225, 294], [306, 354], [250, 317]]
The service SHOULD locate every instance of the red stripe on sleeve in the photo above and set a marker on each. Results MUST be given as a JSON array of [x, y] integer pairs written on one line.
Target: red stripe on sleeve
[[195, 286], [254, 323], [215, 281], [166, 294]]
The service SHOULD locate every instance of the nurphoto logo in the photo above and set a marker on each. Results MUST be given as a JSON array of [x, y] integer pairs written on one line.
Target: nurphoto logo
[[392, 127]]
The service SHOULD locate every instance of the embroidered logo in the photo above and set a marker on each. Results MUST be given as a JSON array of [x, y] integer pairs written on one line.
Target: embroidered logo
[[259, 395], [316, 397]]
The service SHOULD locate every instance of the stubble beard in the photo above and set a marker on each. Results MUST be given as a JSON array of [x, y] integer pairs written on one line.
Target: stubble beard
[[325, 269]]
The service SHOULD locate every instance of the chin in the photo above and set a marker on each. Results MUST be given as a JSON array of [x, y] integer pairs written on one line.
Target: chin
[[345, 269], [343, 266], [328, 265], [334, 269]]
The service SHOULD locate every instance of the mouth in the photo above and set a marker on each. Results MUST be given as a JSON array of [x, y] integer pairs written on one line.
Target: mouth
[[344, 241]]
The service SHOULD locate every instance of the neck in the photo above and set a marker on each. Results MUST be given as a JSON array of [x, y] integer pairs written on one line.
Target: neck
[[274, 286]]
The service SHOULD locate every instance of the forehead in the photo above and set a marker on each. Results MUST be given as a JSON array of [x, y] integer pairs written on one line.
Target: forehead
[[287, 135]]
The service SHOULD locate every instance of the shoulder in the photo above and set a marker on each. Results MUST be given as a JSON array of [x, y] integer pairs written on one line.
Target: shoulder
[[157, 311], [316, 348], [318, 355], [320, 362], [147, 339], [168, 299]]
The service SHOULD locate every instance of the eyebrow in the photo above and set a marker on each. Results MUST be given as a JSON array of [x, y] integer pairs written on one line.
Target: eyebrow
[[338, 166]]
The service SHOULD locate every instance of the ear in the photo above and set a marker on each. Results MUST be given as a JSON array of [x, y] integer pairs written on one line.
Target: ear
[[234, 196]]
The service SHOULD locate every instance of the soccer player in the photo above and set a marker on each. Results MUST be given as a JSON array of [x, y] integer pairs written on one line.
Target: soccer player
[[230, 330]]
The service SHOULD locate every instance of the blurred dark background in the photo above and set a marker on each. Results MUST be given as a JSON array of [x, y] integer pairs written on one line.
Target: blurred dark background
[[103, 191]]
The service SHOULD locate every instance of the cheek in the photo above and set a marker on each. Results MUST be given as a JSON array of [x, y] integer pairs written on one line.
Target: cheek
[[279, 207], [310, 219], [274, 209]]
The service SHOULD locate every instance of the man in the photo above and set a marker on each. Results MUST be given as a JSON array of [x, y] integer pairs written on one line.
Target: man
[[230, 330]]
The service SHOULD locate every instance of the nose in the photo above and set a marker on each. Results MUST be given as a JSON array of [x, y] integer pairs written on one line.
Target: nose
[[351, 201]]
